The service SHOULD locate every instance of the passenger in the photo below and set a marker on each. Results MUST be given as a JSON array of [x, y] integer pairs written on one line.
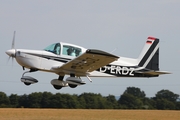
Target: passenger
[[71, 51]]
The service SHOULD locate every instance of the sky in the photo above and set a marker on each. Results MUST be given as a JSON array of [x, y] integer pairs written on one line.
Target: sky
[[118, 26]]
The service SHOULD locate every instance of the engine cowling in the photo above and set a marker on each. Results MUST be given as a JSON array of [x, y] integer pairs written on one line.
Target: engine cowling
[[28, 80]]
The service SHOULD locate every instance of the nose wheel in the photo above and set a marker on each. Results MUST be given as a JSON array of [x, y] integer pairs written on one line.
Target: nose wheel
[[27, 80]]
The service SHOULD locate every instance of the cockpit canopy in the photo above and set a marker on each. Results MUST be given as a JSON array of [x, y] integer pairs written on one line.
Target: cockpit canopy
[[54, 48], [64, 49]]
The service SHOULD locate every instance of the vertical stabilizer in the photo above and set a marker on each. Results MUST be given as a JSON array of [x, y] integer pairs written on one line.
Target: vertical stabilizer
[[149, 57]]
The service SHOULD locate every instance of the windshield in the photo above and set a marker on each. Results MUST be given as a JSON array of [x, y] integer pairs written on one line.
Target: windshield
[[54, 48]]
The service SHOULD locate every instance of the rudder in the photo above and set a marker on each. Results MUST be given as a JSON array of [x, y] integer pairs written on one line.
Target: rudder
[[149, 57]]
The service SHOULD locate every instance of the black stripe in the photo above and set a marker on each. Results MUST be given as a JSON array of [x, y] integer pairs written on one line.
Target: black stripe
[[60, 59], [55, 58], [148, 53], [148, 41], [154, 62]]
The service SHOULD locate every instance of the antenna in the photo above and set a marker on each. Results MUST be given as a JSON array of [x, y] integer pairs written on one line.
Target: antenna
[[113, 50]]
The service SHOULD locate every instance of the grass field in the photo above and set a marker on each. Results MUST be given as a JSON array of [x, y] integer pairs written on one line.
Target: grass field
[[81, 114]]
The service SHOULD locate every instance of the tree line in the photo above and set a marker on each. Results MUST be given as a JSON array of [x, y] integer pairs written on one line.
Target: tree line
[[132, 98]]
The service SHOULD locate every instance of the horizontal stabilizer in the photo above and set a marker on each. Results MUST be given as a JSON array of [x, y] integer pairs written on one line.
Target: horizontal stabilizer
[[155, 72]]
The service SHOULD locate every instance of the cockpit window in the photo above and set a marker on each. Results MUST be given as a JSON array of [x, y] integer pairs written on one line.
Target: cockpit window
[[71, 50], [54, 48]]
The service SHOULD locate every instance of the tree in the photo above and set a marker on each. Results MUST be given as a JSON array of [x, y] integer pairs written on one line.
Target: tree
[[148, 103], [4, 100], [128, 101], [13, 98], [34, 100], [46, 99], [168, 95], [164, 104], [23, 101], [166, 99], [135, 92], [177, 105], [55, 101], [69, 101], [133, 98], [111, 102], [93, 101]]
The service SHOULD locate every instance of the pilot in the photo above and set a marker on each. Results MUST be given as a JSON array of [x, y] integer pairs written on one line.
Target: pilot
[[71, 52], [57, 49]]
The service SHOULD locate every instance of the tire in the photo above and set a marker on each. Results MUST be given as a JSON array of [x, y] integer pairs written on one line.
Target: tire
[[27, 83], [57, 87], [72, 86]]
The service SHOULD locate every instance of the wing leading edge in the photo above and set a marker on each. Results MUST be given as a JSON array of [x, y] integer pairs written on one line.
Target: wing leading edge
[[87, 62]]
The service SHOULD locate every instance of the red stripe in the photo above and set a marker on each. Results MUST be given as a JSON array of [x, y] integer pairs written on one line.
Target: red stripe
[[152, 38], [149, 42]]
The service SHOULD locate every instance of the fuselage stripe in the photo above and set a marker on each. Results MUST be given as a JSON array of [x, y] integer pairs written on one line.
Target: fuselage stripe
[[60, 59]]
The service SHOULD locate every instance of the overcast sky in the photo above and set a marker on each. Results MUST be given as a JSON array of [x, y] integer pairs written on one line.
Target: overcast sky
[[120, 25]]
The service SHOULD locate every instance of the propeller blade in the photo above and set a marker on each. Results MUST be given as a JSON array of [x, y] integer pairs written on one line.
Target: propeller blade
[[12, 61], [13, 42], [12, 52], [8, 59]]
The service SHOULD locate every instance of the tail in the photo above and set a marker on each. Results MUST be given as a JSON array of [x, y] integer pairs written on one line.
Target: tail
[[149, 57]]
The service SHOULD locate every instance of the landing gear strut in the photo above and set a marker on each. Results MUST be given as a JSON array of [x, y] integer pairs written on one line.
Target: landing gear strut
[[31, 70], [27, 80], [72, 85]]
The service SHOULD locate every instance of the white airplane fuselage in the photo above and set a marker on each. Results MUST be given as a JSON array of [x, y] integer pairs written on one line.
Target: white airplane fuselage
[[33, 59], [68, 59]]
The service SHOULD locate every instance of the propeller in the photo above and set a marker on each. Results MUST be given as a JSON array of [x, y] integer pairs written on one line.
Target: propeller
[[13, 42], [12, 52]]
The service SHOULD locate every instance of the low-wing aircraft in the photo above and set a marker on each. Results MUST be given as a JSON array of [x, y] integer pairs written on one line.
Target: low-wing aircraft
[[68, 59]]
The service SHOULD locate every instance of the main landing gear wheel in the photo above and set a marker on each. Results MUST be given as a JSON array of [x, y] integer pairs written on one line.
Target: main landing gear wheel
[[72, 86], [27, 83], [57, 87]]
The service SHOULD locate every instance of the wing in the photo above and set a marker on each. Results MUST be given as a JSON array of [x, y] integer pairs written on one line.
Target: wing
[[87, 62]]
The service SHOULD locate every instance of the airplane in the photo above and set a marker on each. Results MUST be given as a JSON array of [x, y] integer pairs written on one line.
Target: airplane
[[76, 62]]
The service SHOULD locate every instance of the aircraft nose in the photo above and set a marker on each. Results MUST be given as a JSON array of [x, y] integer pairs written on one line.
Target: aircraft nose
[[11, 52]]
